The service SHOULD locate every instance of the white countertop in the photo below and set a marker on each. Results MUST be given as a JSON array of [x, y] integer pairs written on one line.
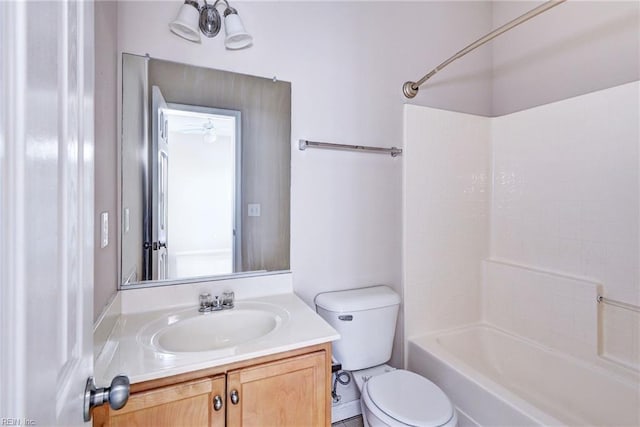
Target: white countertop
[[123, 353]]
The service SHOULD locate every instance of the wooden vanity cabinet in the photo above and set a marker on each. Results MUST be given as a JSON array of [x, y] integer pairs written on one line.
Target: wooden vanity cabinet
[[291, 392], [186, 404], [285, 389]]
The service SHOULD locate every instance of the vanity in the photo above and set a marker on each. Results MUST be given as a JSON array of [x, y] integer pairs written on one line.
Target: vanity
[[269, 363], [204, 178]]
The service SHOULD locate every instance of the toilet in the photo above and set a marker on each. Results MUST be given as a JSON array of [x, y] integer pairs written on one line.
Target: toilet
[[366, 320]]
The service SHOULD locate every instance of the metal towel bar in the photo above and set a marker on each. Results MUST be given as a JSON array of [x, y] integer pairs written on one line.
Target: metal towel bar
[[619, 304], [304, 144]]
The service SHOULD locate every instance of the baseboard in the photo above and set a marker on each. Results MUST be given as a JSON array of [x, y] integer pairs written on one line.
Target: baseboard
[[345, 410]]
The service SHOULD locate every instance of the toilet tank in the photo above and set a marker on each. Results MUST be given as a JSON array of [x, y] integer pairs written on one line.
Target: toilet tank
[[366, 320]]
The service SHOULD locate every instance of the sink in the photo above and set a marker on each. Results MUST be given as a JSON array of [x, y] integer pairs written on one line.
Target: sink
[[221, 332]]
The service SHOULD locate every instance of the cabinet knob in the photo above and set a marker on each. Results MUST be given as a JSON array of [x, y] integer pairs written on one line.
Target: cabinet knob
[[217, 402], [235, 397]]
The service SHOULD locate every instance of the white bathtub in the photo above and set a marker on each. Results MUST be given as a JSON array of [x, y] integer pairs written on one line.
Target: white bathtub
[[499, 379]]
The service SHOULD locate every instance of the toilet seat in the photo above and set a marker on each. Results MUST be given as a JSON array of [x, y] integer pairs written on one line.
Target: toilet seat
[[406, 398]]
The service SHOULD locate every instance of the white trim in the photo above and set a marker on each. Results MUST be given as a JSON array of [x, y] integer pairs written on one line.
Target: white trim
[[12, 251], [104, 324], [345, 410]]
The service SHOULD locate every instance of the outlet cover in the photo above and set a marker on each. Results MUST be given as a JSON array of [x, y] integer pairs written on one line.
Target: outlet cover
[[253, 209]]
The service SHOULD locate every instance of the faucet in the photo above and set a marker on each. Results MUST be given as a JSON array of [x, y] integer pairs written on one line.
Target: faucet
[[209, 304]]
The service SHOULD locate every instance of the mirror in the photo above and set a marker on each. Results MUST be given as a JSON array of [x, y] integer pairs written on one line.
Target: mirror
[[204, 173]]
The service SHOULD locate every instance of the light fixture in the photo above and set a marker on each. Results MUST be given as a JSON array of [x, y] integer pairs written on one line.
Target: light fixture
[[209, 22], [186, 23], [209, 135], [236, 36]]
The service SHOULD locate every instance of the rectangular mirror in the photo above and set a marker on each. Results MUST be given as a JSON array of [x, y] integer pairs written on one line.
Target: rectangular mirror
[[204, 175]]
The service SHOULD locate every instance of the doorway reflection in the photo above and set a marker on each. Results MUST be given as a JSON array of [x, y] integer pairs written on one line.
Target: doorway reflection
[[202, 237]]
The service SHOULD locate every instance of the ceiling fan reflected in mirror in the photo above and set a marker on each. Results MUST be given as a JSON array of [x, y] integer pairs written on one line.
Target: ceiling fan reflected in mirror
[[207, 129]]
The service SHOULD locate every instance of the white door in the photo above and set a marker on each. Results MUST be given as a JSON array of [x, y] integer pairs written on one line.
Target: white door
[[46, 215], [159, 186]]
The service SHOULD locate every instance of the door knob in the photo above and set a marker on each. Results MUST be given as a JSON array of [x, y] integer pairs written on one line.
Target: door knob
[[235, 397], [117, 395]]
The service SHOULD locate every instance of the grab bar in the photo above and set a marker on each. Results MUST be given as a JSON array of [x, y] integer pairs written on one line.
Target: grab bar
[[619, 304], [303, 144]]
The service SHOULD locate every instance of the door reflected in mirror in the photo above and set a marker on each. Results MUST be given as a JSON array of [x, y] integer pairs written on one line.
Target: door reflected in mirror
[[205, 188], [201, 230]]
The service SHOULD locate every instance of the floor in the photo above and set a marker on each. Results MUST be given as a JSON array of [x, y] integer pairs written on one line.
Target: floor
[[350, 422]]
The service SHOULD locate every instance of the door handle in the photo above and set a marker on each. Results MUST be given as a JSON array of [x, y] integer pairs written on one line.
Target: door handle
[[156, 246], [117, 395], [235, 397]]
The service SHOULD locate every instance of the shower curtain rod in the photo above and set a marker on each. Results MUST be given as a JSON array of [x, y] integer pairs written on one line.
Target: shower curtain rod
[[410, 89]]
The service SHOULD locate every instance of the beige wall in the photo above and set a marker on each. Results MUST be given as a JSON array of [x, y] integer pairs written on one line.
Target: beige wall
[[105, 260], [573, 49]]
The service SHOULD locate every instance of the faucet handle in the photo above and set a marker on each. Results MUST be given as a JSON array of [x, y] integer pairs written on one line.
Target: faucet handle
[[205, 301], [228, 299]]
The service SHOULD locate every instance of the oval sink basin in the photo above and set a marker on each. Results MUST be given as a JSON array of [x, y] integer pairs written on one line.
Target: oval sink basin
[[189, 331], [214, 331]]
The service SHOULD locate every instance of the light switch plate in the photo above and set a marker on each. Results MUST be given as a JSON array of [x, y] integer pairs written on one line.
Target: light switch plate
[[253, 209], [126, 220], [104, 229]]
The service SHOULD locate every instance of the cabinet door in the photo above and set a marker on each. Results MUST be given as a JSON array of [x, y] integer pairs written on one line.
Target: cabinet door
[[187, 404], [289, 392]]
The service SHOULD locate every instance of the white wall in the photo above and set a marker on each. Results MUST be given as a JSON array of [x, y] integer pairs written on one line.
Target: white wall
[[201, 208], [573, 49], [347, 62], [446, 203]]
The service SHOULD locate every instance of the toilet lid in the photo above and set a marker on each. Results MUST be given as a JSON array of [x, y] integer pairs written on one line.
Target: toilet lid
[[410, 398]]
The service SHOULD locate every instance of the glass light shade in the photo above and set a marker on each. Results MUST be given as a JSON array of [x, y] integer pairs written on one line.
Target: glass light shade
[[209, 137], [186, 23], [236, 36]]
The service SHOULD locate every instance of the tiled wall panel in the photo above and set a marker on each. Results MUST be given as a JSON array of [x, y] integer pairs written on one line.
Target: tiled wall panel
[[557, 311], [566, 199], [446, 165], [563, 223]]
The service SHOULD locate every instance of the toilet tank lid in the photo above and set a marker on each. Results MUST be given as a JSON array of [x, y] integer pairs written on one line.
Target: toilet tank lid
[[358, 299]]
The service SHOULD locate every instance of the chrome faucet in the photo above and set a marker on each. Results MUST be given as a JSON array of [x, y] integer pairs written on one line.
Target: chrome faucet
[[209, 304]]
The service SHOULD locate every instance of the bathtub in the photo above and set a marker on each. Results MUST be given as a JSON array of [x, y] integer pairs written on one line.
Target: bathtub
[[495, 378]]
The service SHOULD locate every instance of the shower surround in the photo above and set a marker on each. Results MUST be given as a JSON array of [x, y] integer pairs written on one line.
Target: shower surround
[[519, 221]]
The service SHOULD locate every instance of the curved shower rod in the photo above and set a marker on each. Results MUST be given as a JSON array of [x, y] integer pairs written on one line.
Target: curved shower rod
[[410, 89]]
